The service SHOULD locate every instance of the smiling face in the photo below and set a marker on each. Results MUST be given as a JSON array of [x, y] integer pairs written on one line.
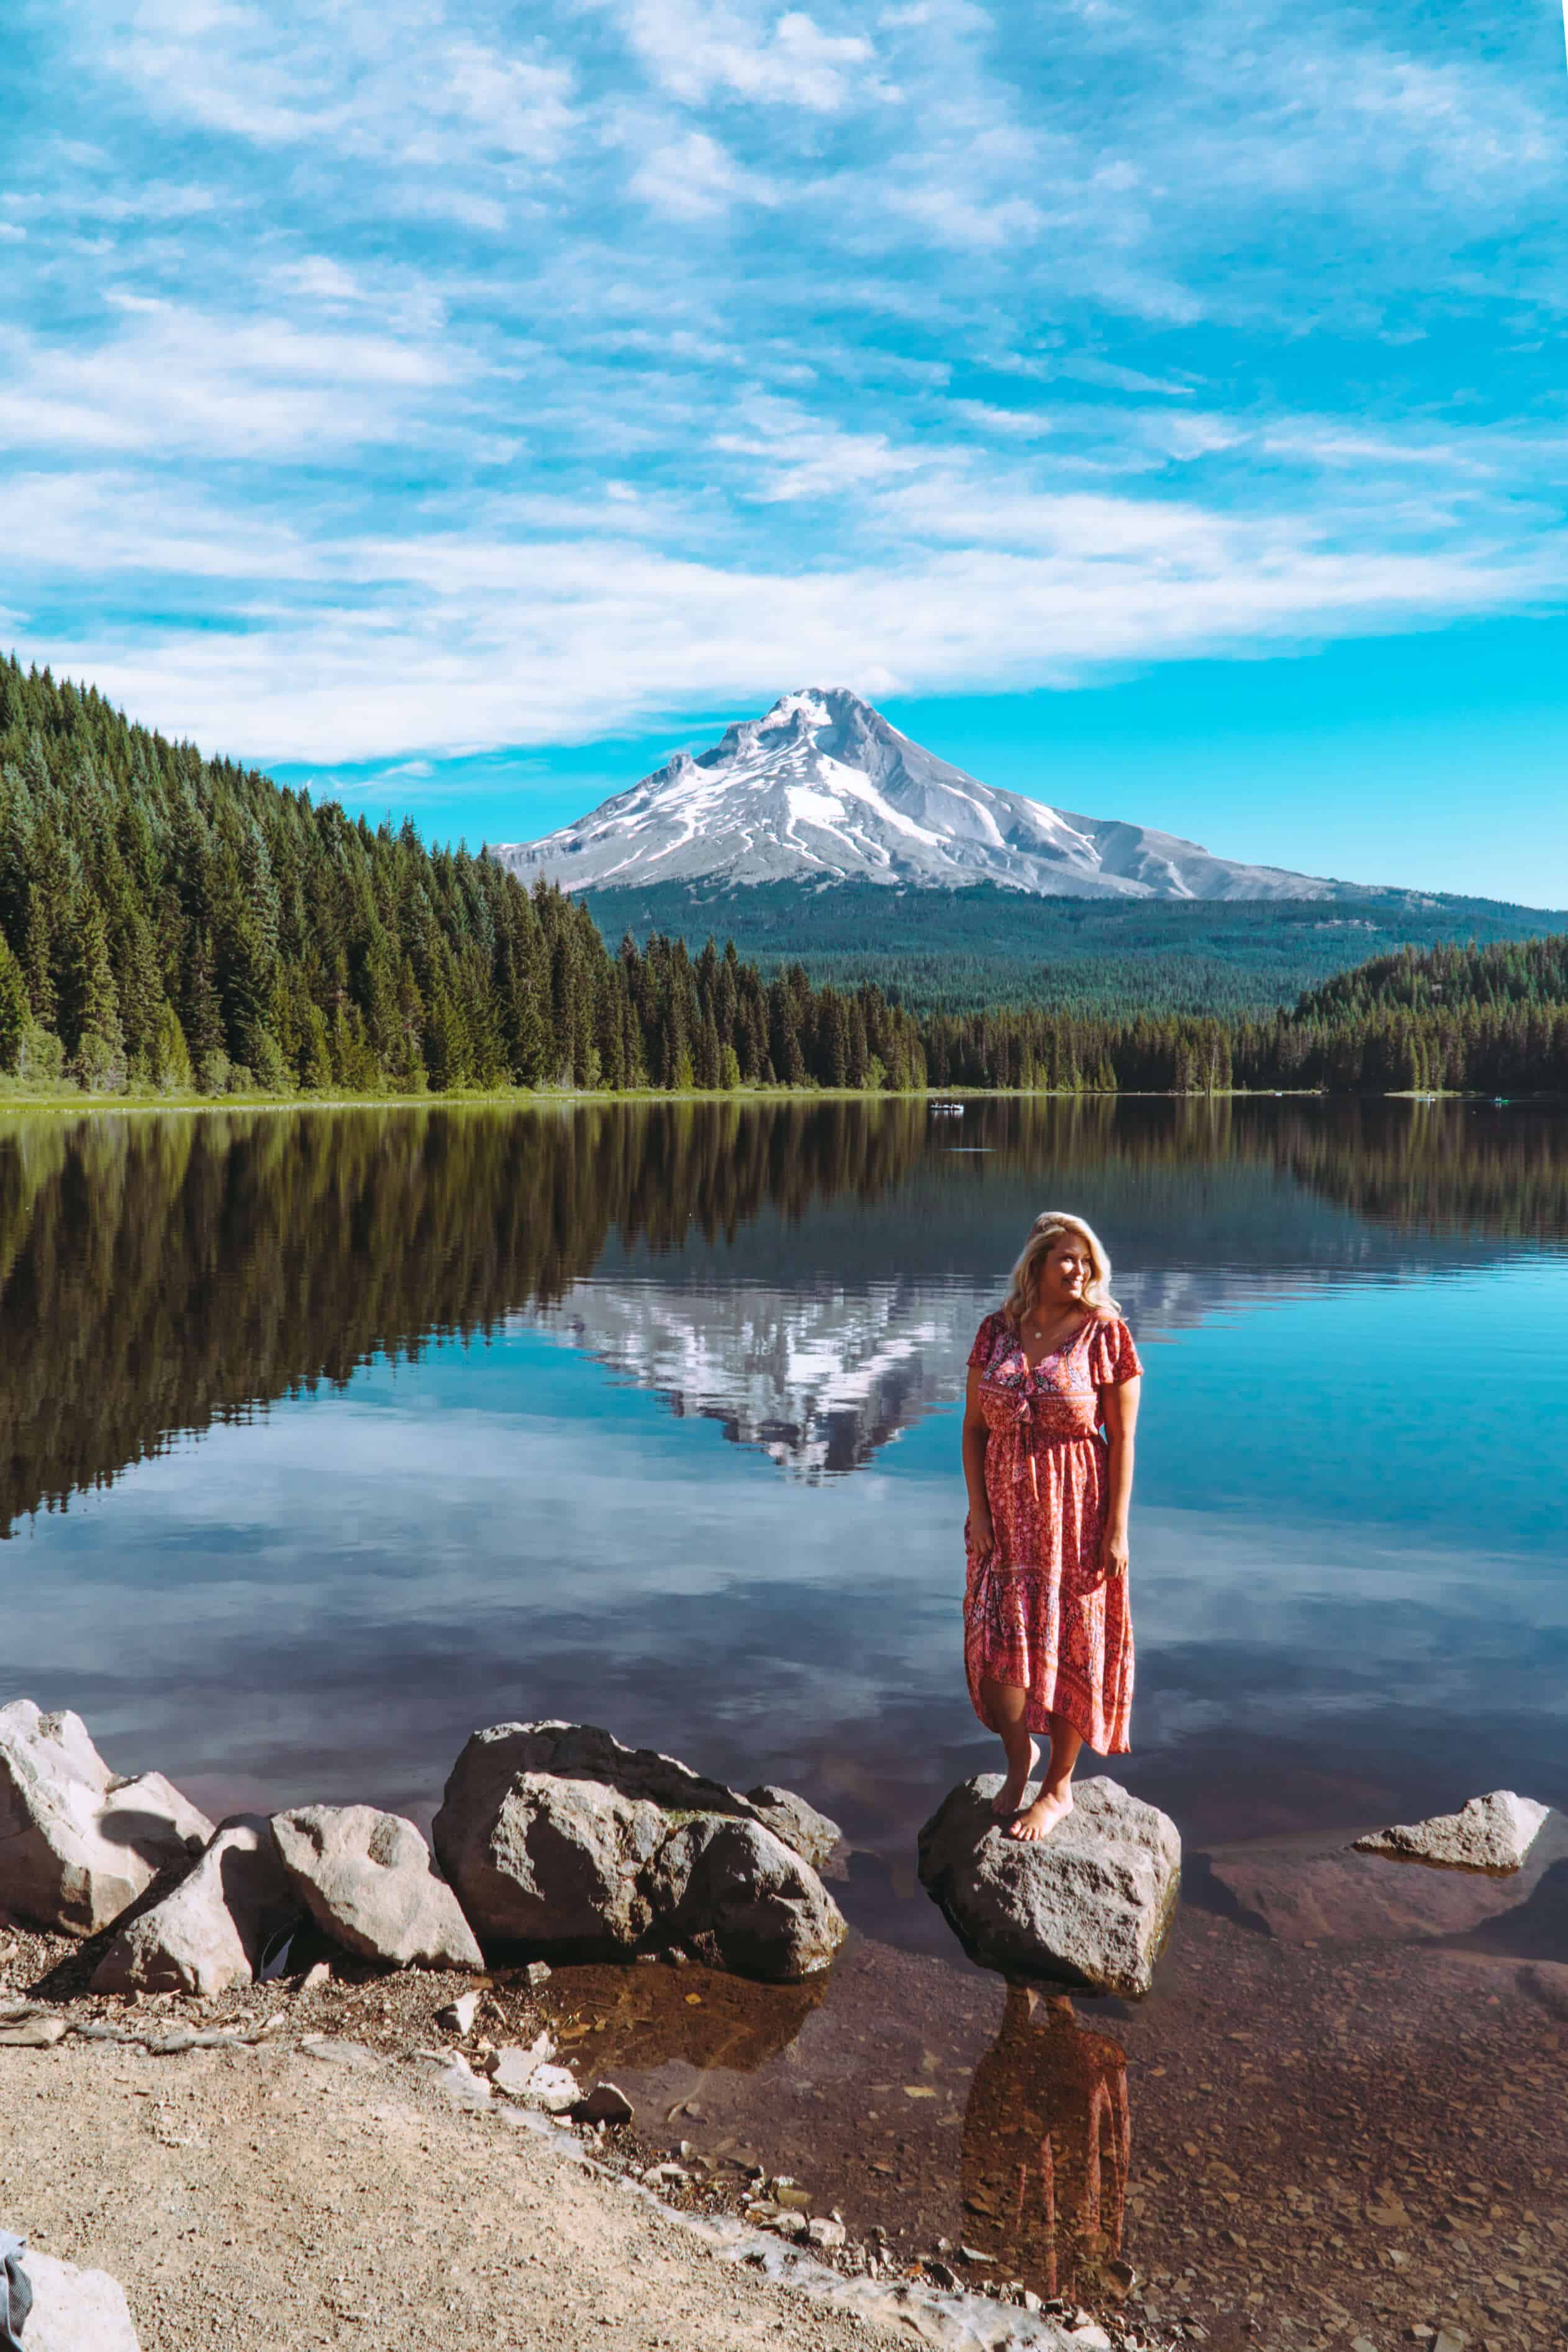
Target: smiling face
[[1065, 1273]]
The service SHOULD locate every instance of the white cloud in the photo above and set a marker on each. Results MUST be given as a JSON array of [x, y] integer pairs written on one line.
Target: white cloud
[[510, 640], [694, 177], [170, 378], [695, 50]]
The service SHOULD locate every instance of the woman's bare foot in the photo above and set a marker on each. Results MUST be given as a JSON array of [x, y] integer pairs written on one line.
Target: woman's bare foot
[[1042, 1817], [1009, 1796]]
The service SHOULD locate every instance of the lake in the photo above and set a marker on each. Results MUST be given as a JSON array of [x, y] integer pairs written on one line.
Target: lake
[[327, 1436]]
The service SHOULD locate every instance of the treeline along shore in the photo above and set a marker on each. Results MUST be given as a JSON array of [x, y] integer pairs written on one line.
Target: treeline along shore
[[171, 923]]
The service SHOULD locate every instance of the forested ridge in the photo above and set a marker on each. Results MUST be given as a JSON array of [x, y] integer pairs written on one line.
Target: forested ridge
[[168, 922], [950, 950]]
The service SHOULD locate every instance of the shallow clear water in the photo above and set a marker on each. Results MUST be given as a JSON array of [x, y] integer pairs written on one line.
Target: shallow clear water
[[330, 1436]]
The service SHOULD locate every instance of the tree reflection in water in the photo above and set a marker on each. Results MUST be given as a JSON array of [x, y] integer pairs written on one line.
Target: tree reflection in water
[[163, 1273], [1047, 2142]]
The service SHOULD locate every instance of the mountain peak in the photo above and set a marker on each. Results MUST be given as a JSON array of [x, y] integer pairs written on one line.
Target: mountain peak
[[822, 788]]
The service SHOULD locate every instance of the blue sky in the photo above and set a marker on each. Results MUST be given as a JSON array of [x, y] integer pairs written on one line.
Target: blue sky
[[462, 405]]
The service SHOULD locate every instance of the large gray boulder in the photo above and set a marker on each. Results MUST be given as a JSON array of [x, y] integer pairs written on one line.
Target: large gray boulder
[[210, 1933], [1090, 1904], [78, 1842], [556, 1837], [75, 2310], [1491, 1833], [368, 1881], [790, 1817]]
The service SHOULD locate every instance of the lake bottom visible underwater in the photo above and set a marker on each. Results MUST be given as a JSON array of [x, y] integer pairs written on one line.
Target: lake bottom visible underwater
[[331, 1436]]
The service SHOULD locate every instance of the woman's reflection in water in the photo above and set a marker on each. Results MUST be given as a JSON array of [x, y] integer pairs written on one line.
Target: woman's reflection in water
[[1046, 2140]]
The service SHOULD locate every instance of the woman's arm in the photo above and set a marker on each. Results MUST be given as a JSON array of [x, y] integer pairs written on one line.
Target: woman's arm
[[1119, 1408], [974, 1436]]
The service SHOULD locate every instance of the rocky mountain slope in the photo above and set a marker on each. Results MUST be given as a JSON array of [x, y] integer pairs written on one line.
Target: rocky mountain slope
[[823, 789]]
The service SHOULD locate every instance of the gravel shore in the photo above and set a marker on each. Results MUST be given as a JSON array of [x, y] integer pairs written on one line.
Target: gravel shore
[[262, 2199]]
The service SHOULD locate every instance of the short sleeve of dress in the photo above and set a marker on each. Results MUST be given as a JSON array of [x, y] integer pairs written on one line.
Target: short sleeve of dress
[[1112, 1359], [985, 1343]]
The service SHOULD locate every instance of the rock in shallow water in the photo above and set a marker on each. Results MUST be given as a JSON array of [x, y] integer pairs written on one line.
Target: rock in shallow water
[[1090, 1904], [79, 1844], [210, 1933], [1493, 1832], [555, 1835], [605, 2103], [368, 1881]]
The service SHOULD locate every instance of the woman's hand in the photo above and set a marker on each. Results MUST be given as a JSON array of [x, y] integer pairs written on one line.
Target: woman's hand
[[982, 1535], [1113, 1551]]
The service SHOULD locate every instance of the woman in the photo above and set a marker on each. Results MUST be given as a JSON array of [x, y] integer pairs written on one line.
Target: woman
[[1048, 1642]]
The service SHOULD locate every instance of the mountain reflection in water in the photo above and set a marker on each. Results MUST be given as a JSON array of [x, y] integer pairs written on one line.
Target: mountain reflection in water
[[809, 1275]]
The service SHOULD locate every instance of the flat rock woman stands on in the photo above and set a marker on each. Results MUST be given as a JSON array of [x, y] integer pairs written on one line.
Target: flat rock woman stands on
[[1048, 1641]]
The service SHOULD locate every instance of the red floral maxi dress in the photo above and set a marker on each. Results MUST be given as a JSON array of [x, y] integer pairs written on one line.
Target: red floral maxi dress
[[1036, 1615]]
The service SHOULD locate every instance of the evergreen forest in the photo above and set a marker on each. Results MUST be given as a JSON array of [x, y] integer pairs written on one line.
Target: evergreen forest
[[169, 922], [950, 950]]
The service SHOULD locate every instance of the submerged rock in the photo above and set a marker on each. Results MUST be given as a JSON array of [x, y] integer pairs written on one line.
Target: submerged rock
[[1491, 1833], [605, 2103], [1090, 1904], [555, 1835], [368, 1881], [79, 1844], [210, 1933]]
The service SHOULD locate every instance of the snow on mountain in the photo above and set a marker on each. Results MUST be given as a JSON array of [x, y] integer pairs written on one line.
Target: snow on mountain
[[823, 789]]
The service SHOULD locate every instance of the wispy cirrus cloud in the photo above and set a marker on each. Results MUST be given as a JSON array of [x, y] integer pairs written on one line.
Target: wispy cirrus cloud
[[384, 377]]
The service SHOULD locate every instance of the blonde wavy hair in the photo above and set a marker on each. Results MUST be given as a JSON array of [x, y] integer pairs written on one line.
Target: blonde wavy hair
[[1043, 1235]]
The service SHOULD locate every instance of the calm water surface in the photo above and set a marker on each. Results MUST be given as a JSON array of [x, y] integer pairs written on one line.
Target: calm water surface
[[328, 1437]]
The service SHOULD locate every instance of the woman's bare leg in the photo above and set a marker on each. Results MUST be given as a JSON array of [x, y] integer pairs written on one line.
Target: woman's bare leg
[[1054, 1802], [1007, 1703]]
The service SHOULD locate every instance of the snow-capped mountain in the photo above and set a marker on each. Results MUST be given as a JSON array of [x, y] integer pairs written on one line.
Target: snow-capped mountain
[[823, 789]]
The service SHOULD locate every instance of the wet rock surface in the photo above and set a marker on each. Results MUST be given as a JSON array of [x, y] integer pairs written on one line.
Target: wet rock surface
[[368, 1880], [1090, 1904], [556, 1837], [1319, 1890], [208, 1935], [79, 1844], [1491, 1834]]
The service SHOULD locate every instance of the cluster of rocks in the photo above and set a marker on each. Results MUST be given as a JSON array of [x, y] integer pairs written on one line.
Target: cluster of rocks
[[553, 1838]]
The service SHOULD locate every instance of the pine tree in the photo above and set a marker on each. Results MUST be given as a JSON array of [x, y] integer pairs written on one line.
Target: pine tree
[[15, 1011]]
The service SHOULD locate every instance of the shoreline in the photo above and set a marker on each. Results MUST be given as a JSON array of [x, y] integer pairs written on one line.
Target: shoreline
[[76, 1103], [349, 2043], [1307, 2104]]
